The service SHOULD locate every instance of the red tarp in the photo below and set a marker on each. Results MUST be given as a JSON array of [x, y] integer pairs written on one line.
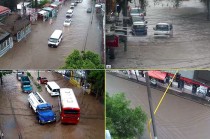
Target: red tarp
[[157, 74], [4, 9]]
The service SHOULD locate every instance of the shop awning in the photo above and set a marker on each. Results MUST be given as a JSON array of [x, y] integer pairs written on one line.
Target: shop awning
[[157, 74]]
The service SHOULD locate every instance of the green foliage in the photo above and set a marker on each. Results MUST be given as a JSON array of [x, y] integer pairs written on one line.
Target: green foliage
[[84, 60], [3, 73], [123, 121], [97, 79], [39, 4], [28, 74]]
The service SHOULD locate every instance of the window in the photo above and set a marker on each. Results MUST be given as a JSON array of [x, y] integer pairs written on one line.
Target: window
[[162, 27], [56, 90], [49, 87], [71, 112]]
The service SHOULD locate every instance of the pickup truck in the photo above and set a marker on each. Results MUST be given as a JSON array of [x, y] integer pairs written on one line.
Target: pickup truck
[[42, 80], [26, 84], [43, 110]]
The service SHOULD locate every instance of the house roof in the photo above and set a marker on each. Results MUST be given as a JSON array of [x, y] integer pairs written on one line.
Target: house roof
[[4, 9], [14, 23]]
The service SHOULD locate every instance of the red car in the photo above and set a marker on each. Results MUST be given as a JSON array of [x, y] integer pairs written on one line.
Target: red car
[[42, 80]]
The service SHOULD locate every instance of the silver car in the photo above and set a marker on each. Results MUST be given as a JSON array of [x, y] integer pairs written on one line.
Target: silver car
[[163, 30]]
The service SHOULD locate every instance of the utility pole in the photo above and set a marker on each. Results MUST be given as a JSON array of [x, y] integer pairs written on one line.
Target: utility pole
[[125, 23], [150, 105]]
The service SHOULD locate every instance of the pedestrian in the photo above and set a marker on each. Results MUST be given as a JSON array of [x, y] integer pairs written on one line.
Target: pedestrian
[[171, 82]]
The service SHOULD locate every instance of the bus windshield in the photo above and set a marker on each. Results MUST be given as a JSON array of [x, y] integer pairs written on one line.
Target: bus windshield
[[71, 111]]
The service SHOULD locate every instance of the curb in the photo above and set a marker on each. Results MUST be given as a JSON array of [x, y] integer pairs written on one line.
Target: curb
[[170, 91]]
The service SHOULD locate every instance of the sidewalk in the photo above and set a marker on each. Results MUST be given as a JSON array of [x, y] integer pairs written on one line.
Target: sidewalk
[[186, 93]]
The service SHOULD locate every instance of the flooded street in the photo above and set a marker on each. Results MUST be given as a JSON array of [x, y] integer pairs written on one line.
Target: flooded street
[[18, 121], [176, 118], [33, 52], [188, 48]]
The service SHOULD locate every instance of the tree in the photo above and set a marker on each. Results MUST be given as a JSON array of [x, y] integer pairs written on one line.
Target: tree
[[3, 73], [96, 78], [123, 121], [83, 60]]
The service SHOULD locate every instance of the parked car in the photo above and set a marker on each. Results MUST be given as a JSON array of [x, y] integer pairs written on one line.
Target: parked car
[[89, 10], [69, 13], [19, 74], [139, 28], [163, 29], [67, 22], [72, 7], [137, 12], [138, 19], [42, 80]]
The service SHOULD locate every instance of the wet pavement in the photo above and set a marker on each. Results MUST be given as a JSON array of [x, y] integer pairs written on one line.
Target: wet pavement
[[176, 117], [18, 120], [188, 48], [33, 52]]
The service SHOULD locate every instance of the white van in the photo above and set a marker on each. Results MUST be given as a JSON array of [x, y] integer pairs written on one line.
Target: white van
[[163, 29], [52, 88], [55, 38], [69, 13]]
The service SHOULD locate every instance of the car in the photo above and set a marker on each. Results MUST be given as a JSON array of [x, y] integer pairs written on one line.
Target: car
[[42, 80], [89, 10], [67, 22], [69, 13], [137, 12], [163, 30], [138, 19], [72, 7], [139, 28]]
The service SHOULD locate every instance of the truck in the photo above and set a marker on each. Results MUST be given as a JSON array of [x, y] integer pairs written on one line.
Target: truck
[[43, 110], [26, 84]]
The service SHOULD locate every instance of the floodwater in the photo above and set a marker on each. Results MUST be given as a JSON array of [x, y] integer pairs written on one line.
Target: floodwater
[[188, 48], [176, 118], [18, 120], [33, 52]]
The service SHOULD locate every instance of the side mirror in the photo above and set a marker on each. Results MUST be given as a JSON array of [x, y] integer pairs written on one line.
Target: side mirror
[[154, 28], [146, 22], [52, 106]]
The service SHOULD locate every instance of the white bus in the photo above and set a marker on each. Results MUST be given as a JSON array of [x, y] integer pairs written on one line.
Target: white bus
[[55, 38]]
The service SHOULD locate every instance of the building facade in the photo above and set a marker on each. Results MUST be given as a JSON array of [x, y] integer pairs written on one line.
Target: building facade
[[6, 42]]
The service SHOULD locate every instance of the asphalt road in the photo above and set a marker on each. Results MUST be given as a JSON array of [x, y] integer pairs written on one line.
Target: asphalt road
[[176, 118]]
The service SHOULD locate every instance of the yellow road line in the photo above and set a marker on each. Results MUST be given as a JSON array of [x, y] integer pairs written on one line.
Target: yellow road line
[[160, 103]]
